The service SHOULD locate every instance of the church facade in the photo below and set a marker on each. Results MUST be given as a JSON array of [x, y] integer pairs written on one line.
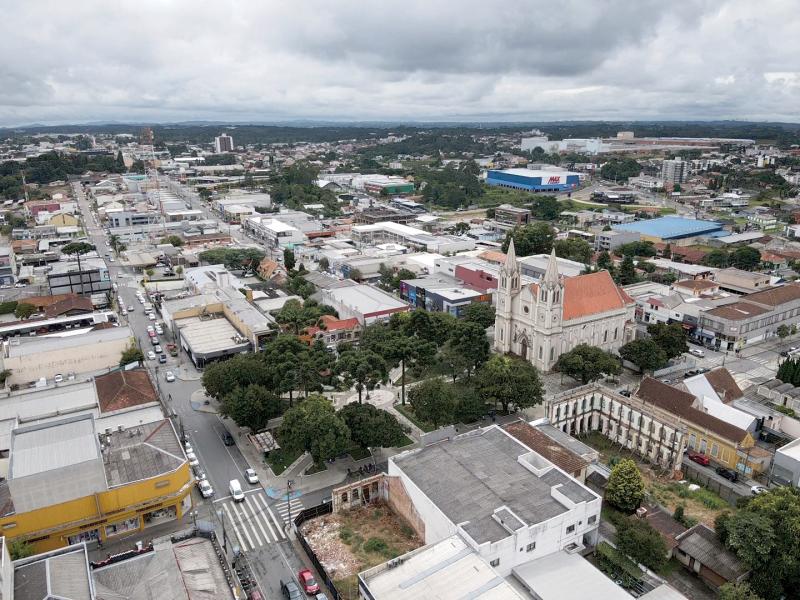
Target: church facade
[[541, 321]]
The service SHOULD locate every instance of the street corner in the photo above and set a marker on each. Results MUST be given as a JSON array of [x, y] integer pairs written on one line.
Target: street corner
[[185, 374], [279, 493]]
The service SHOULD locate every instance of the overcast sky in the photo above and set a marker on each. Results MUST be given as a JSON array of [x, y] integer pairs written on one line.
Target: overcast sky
[[163, 60]]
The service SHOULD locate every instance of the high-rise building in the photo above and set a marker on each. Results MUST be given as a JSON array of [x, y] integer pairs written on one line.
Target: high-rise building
[[674, 171], [223, 143], [146, 136]]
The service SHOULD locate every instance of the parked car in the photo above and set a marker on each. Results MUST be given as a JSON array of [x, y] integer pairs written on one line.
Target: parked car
[[151, 355], [58, 378], [162, 359], [698, 457], [320, 596], [124, 312], [205, 488], [151, 316], [310, 585], [251, 475], [198, 472], [192, 458], [227, 438], [727, 473], [758, 489], [235, 488], [158, 348], [290, 590], [130, 308], [169, 376]]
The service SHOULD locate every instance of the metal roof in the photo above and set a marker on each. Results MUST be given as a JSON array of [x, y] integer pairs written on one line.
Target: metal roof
[[52, 446]]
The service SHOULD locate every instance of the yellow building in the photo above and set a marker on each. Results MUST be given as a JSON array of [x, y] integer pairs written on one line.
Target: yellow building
[[725, 444], [63, 220], [113, 468]]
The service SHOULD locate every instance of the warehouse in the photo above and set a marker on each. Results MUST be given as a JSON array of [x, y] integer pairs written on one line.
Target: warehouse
[[534, 181], [674, 230]]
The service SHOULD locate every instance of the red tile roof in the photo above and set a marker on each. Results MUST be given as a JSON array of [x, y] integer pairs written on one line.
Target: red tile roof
[[124, 389], [72, 302], [333, 324], [537, 441], [590, 294], [724, 384], [493, 256]]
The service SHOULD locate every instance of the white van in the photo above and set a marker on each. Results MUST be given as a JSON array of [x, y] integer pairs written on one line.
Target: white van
[[235, 489]]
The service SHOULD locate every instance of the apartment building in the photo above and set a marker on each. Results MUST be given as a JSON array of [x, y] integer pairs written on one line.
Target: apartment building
[[273, 232]]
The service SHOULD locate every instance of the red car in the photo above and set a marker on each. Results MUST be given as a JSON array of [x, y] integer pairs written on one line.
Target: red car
[[699, 458], [310, 585]]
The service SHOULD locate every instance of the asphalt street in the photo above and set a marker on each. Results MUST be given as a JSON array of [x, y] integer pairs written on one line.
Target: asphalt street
[[255, 526]]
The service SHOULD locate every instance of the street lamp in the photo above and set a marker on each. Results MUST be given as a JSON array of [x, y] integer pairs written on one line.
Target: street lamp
[[289, 484], [221, 517]]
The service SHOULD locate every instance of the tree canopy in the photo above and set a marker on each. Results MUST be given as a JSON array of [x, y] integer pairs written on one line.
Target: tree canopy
[[645, 354], [587, 363], [535, 238], [252, 406], [670, 338], [481, 313], [574, 249], [433, 401], [233, 258], [362, 367], [371, 427], [509, 381], [313, 426], [619, 169], [625, 488]]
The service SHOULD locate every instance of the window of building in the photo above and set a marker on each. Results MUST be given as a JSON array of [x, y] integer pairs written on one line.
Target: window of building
[[615, 332], [530, 547], [495, 562], [552, 353], [571, 529], [541, 352], [692, 441], [605, 335], [525, 309], [714, 449], [703, 445], [592, 520]]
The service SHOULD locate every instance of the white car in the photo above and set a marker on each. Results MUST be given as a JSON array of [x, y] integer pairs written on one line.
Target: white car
[[169, 376], [188, 447], [758, 489], [124, 313], [235, 488], [157, 347], [19, 285], [151, 316], [251, 475], [159, 330], [696, 352], [150, 328], [58, 378], [130, 308], [151, 355], [192, 458], [205, 488]]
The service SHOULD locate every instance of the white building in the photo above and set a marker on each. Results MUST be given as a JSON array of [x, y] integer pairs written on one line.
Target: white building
[[274, 233], [541, 321], [508, 503], [223, 143], [674, 171]]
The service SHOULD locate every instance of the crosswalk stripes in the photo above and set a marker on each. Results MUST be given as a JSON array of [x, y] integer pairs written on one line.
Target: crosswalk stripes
[[252, 522], [283, 508]]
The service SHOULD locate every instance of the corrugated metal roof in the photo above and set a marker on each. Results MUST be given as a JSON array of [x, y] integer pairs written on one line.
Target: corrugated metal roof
[[53, 446]]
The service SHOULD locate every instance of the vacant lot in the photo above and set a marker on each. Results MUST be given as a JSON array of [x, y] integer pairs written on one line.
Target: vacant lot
[[349, 542]]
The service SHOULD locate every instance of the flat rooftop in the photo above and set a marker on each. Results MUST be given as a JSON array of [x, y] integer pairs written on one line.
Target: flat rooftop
[[142, 452], [206, 336], [365, 299], [473, 475], [670, 227], [188, 570], [448, 569], [49, 447], [562, 576]]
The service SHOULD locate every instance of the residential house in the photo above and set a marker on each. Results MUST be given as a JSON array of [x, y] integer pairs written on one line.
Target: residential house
[[701, 551]]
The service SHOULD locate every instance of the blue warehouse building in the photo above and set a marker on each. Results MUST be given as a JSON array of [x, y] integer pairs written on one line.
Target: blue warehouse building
[[534, 181], [673, 229]]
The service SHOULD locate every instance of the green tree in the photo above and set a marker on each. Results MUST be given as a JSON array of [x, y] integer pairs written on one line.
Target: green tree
[[737, 591], [371, 427], [179, 270], [719, 259], [670, 338], [645, 354], [783, 331], [625, 488], [288, 259], [627, 272], [240, 371], [252, 406], [620, 169], [77, 249], [481, 313], [470, 341], [324, 264], [313, 426], [469, 405], [634, 249], [509, 381], [751, 536], [637, 539], [361, 367], [24, 310], [546, 208], [535, 238], [574, 249], [587, 363], [433, 401], [130, 355], [175, 240], [745, 258], [605, 262], [19, 548]]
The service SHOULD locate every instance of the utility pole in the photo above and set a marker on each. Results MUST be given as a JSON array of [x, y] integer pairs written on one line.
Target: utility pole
[[289, 484], [221, 517]]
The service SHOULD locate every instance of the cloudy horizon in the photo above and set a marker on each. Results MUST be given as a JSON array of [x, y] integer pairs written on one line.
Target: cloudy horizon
[[406, 61]]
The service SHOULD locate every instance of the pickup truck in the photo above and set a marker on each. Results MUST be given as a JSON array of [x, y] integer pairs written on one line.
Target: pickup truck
[[172, 349]]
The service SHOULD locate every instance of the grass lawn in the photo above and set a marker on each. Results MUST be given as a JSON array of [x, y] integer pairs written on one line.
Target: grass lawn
[[315, 468], [407, 441], [278, 460], [699, 505], [358, 453], [408, 412]]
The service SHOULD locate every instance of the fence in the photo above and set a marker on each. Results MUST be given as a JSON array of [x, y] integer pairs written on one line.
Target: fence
[[305, 515], [726, 491]]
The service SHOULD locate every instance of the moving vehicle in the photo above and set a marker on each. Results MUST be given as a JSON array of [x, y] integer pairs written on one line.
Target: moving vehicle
[[290, 590], [235, 488], [157, 347], [727, 473], [227, 438], [205, 488], [169, 376], [696, 352], [306, 578], [130, 308], [251, 475], [698, 457]]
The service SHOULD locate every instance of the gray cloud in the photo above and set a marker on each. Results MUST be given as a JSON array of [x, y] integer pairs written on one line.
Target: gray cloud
[[578, 59]]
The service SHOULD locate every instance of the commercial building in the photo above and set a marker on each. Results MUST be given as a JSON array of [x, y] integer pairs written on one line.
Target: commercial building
[[610, 240], [274, 233], [674, 171], [534, 181], [110, 466], [380, 214], [384, 185], [8, 267], [363, 302], [508, 503], [786, 464], [440, 294], [507, 216], [535, 266], [418, 239], [541, 321], [673, 230], [223, 143], [740, 282], [92, 278]]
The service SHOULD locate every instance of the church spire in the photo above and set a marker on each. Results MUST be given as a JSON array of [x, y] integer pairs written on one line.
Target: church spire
[[551, 274], [511, 257]]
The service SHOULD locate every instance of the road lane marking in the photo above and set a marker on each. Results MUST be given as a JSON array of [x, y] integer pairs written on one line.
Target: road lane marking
[[244, 506], [235, 529], [242, 523], [257, 512]]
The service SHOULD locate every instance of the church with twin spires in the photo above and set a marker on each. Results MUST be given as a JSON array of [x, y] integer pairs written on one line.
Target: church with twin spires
[[541, 321]]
